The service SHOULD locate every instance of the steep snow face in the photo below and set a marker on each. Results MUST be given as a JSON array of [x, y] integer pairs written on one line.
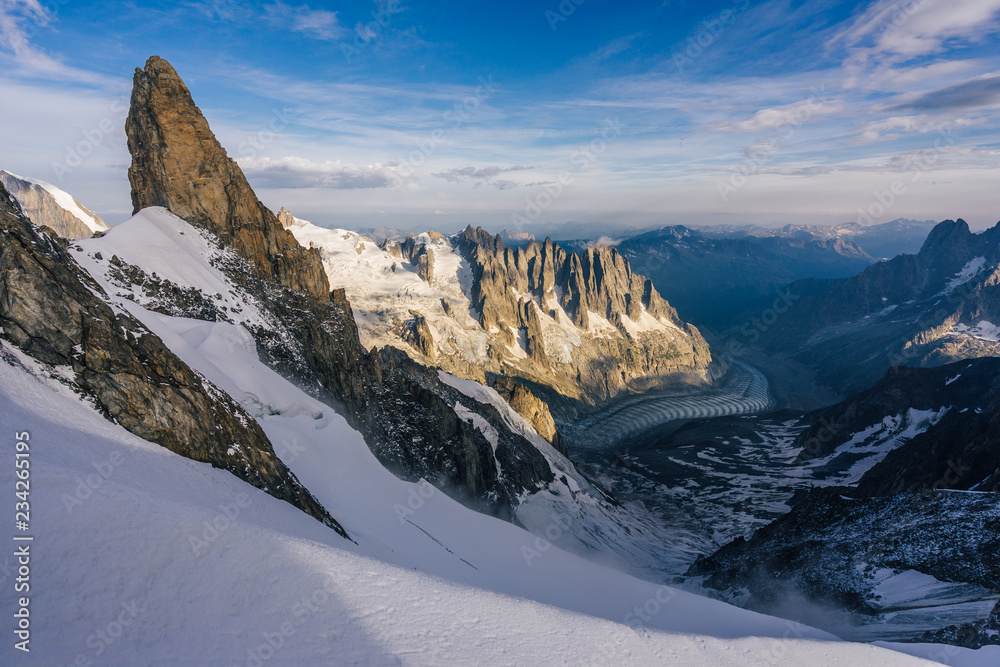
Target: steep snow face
[[968, 272], [164, 246], [144, 557], [68, 202]]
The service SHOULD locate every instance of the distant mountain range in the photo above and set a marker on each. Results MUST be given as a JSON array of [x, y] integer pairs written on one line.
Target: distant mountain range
[[881, 241], [937, 306], [708, 276]]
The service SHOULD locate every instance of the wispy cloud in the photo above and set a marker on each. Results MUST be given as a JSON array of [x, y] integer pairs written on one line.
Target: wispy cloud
[[480, 176], [891, 128], [318, 24], [296, 173], [982, 91], [892, 32]]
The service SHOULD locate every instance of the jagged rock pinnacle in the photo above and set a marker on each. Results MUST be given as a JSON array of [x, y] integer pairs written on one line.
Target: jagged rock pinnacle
[[178, 163]]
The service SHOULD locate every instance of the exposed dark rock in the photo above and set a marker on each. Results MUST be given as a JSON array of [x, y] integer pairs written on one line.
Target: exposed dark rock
[[50, 308], [931, 505], [961, 451], [829, 550], [418, 334], [973, 635], [420, 256]]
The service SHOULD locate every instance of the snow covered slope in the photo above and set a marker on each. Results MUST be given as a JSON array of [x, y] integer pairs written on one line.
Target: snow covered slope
[[143, 557], [384, 289], [174, 256], [202, 568]]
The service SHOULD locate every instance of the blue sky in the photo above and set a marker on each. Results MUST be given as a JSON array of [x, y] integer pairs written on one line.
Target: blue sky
[[533, 115]]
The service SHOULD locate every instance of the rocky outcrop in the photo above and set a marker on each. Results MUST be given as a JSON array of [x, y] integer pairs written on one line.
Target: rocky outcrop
[[42, 208], [532, 408], [519, 292], [961, 451], [406, 414], [974, 635], [418, 334], [177, 163], [286, 218], [598, 280], [51, 310], [420, 255], [835, 551]]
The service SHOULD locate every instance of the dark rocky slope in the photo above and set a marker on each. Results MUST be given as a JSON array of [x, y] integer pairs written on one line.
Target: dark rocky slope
[[708, 275], [930, 506], [53, 311]]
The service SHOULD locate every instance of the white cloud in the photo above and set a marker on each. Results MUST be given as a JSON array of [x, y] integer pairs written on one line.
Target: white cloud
[[480, 176], [297, 172], [892, 32], [788, 115], [890, 128], [319, 24]]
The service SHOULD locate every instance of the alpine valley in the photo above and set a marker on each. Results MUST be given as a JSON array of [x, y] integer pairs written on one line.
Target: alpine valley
[[255, 439]]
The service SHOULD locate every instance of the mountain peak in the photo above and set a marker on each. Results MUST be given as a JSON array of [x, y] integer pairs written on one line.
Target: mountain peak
[[177, 163], [947, 234], [48, 206]]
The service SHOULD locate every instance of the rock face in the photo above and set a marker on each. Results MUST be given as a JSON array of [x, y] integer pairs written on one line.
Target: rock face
[[532, 408], [286, 218], [177, 163], [420, 256], [598, 280], [51, 310], [963, 447], [43, 209], [405, 413], [523, 289], [494, 311]]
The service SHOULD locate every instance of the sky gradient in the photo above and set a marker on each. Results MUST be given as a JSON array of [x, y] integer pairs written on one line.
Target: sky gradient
[[536, 116]]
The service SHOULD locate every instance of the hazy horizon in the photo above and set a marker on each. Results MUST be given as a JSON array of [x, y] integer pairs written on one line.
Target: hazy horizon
[[529, 116]]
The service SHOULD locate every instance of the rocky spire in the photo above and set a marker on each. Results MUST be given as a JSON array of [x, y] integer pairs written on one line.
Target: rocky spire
[[177, 163], [286, 218]]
